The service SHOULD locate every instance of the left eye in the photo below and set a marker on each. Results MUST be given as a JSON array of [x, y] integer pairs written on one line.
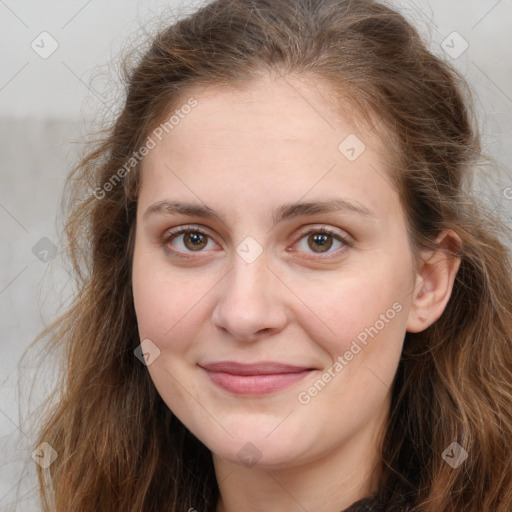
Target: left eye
[[321, 240], [317, 240]]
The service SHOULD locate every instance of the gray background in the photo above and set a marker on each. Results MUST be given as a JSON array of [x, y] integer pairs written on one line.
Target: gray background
[[48, 104]]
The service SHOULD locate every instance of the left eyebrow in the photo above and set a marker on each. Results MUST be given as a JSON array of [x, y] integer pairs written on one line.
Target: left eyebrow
[[291, 210], [284, 212]]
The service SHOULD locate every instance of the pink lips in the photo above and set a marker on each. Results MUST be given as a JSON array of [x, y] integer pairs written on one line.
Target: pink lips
[[254, 379]]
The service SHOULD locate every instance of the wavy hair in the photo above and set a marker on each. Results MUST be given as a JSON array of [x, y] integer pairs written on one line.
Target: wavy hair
[[120, 447]]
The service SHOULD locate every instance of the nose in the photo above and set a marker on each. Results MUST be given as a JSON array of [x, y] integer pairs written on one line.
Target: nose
[[249, 305]]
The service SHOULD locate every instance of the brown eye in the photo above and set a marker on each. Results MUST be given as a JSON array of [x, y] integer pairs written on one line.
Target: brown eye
[[194, 240], [187, 240], [320, 242]]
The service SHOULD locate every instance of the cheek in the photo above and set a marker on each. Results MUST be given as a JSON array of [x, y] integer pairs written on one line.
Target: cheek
[[167, 306], [169, 303], [355, 306], [366, 317], [159, 303]]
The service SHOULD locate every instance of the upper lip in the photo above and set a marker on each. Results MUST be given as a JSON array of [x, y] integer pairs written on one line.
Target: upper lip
[[259, 368]]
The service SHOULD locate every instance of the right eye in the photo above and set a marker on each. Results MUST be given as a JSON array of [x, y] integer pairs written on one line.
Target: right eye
[[187, 240]]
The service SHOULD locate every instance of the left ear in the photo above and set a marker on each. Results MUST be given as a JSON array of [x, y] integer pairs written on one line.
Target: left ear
[[434, 281]]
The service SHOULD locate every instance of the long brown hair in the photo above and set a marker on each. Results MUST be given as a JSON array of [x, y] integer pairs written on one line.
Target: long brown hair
[[119, 446]]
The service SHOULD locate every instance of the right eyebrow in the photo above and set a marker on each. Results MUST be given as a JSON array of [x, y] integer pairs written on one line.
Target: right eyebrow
[[191, 209]]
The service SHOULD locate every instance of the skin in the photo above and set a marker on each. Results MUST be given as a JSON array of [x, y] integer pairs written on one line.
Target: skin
[[244, 153]]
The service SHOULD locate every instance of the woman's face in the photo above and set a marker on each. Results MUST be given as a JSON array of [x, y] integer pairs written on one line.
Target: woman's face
[[274, 342]]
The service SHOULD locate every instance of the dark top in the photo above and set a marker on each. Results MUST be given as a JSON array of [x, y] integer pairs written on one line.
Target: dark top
[[374, 504], [371, 504]]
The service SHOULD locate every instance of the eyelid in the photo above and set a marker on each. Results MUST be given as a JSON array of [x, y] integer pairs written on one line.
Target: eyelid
[[321, 228], [178, 230]]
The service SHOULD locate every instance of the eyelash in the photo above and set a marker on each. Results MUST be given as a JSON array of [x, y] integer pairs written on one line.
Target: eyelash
[[173, 233]]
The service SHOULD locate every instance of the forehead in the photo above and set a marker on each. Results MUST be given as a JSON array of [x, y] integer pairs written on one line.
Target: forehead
[[279, 108], [284, 134]]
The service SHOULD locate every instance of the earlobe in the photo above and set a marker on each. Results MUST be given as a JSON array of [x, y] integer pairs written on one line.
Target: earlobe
[[434, 281]]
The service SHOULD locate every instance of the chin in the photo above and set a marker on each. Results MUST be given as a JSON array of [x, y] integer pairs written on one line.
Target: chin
[[258, 455], [265, 448]]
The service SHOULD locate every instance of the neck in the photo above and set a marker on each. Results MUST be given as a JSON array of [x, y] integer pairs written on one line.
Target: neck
[[329, 483]]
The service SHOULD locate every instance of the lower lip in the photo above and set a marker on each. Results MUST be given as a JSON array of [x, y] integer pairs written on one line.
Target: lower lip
[[255, 384]]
